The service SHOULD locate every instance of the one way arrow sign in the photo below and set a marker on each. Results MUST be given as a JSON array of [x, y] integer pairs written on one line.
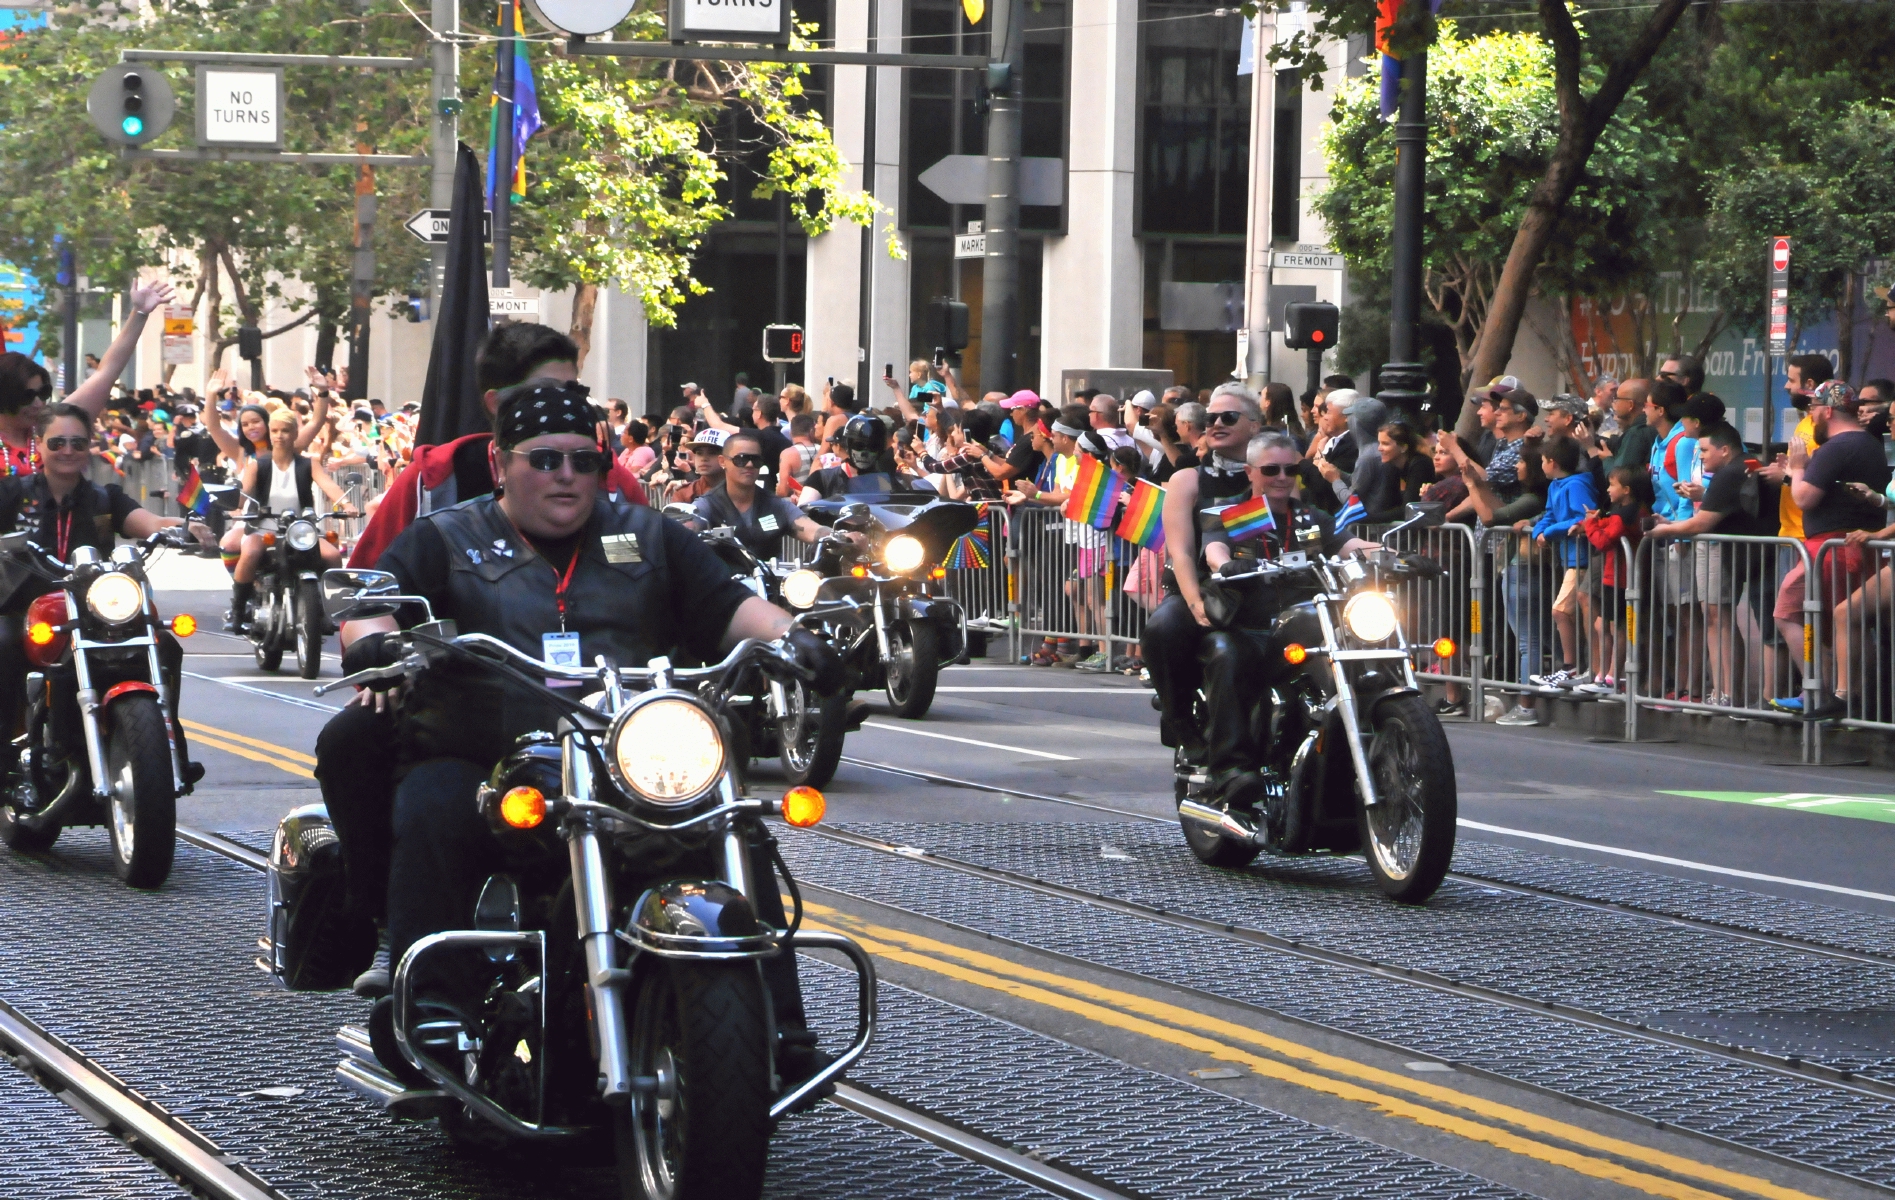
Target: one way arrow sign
[[430, 225]]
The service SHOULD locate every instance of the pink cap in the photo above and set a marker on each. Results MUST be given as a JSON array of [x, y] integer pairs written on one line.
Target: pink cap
[[1020, 399]]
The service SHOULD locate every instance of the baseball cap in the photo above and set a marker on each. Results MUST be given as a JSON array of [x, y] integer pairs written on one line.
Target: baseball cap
[[714, 438], [1522, 400], [1498, 386], [1144, 399], [689, 387], [1572, 405], [1834, 393], [1024, 398]]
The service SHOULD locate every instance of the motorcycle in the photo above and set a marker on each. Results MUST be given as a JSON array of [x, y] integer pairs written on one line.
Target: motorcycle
[[781, 719], [610, 987], [879, 609], [98, 748], [1356, 760], [289, 608]]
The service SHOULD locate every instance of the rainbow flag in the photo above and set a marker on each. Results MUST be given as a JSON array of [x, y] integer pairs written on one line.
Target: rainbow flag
[[1247, 520], [526, 116], [1095, 493], [191, 494], [1143, 523], [972, 550]]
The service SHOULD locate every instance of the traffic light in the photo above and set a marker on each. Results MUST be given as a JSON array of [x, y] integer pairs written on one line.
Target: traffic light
[[782, 343], [1310, 326], [249, 342], [947, 324], [131, 104]]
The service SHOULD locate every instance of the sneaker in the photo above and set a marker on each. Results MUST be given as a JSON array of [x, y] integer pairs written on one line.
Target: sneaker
[[1450, 708], [1097, 661], [1492, 709], [1558, 681], [1789, 704], [1596, 687], [1519, 715]]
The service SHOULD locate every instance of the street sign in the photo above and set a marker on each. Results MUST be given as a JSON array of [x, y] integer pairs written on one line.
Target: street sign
[[1309, 258], [970, 245], [782, 343], [431, 224], [240, 106], [962, 179], [731, 20], [131, 104], [587, 18], [1779, 298], [178, 321], [518, 303]]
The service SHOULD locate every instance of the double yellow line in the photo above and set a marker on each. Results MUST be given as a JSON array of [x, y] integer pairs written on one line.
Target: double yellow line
[[1503, 1126], [269, 753]]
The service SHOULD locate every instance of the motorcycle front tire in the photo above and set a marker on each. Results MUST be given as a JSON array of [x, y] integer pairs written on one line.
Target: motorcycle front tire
[[702, 1030], [910, 688], [309, 627], [142, 814], [1408, 838], [814, 762], [269, 642]]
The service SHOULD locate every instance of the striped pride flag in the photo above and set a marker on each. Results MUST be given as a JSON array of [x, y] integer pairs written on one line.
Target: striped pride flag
[[1250, 519], [1143, 523], [191, 494], [1095, 493]]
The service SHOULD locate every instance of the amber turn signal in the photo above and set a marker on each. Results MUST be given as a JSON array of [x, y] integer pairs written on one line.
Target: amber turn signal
[[940, 572], [184, 624], [40, 633], [1294, 654], [859, 571], [523, 808], [803, 806], [1444, 648]]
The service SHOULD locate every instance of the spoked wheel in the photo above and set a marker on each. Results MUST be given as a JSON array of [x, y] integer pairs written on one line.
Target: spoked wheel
[[265, 628], [700, 1127], [308, 617], [142, 813], [913, 668], [809, 736], [1409, 837]]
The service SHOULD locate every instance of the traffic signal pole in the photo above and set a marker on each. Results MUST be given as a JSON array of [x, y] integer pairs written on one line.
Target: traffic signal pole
[[1404, 379], [1259, 226], [1000, 270]]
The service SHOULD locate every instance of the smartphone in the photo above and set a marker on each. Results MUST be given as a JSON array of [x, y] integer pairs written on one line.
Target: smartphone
[[997, 446], [888, 370]]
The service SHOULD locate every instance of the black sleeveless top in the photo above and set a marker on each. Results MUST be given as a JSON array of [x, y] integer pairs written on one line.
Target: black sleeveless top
[[305, 481]]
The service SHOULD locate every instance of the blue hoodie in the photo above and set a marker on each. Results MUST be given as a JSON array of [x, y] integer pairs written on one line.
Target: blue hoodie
[[1567, 500]]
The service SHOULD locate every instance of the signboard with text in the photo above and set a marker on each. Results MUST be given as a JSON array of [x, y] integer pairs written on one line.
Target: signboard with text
[[731, 21], [240, 107], [1779, 297], [179, 325]]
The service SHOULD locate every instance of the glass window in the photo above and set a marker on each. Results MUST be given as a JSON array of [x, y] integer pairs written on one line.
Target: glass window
[[1194, 120]]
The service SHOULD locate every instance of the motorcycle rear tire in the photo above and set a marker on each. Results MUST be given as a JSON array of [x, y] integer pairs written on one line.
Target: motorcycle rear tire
[[142, 815], [1408, 839], [309, 627], [814, 763], [704, 1026], [910, 688]]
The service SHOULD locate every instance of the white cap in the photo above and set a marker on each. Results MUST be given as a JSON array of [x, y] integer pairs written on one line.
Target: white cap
[[1145, 399], [714, 438]]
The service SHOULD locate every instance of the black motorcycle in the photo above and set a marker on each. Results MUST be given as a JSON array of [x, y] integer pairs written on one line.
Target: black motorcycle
[[608, 986], [878, 603], [288, 607], [97, 748], [1356, 760], [775, 718]]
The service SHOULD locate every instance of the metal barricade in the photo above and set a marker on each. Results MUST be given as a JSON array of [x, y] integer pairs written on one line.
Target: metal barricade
[[1855, 623], [1450, 605], [1065, 579]]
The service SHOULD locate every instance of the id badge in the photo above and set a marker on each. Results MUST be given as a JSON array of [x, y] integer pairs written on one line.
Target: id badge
[[561, 650], [767, 522]]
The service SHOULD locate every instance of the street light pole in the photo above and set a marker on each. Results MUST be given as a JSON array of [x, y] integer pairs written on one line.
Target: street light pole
[[446, 57], [1000, 271], [1261, 223], [502, 166], [1404, 381]]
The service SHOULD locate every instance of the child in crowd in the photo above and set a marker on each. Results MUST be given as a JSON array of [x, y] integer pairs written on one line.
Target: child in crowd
[[1569, 496], [1629, 492]]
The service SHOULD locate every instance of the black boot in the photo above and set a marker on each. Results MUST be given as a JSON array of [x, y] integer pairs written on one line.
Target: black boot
[[241, 597]]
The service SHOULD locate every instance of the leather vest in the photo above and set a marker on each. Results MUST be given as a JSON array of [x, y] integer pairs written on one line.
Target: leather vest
[[498, 585], [305, 481]]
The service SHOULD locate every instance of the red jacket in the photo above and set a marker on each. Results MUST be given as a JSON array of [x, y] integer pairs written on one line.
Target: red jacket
[[432, 467], [1604, 532]]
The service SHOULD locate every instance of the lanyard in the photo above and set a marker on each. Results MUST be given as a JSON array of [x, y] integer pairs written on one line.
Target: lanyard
[[565, 580], [63, 527]]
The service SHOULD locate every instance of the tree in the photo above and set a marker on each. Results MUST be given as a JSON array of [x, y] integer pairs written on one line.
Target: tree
[[1493, 127]]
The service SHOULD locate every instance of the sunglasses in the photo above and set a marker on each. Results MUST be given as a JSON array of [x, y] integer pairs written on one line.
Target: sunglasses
[[1229, 416], [749, 461], [1270, 470], [66, 443], [545, 458]]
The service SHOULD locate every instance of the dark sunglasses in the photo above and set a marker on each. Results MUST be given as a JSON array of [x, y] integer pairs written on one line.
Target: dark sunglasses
[[1271, 469], [67, 443], [1229, 416], [750, 461], [545, 458]]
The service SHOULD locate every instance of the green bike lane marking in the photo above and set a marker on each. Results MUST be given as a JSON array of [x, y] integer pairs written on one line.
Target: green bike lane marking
[[1835, 804]]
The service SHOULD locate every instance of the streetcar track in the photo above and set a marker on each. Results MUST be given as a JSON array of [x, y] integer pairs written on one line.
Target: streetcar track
[[1699, 924], [181, 1152], [877, 1107]]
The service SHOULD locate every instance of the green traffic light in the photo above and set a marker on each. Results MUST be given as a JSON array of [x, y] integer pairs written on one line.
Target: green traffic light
[[133, 125]]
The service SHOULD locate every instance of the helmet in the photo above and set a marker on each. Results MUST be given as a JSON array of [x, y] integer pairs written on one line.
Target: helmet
[[865, 440]]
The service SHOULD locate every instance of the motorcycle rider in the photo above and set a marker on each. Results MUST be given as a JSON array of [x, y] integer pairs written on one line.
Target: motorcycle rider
[[284, 481], [61, 510], [760, 518], [868, 468], [549, 566]]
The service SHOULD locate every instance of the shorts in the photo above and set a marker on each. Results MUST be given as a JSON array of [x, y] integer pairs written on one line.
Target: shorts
[[1092, 560], [1790, 594], [1844, 568], [1567, 601], [1680, 582], [1715, 572], [1611, 602]]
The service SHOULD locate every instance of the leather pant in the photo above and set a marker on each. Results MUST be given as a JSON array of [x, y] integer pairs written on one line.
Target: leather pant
[[1230, 666]]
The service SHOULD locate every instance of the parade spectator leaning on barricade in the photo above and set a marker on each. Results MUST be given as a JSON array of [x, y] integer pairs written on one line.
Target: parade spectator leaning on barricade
[[1557, 532], [1673, 459], [1448, 488], [1062, 438], [1334, 449], [1846, 454], [961, 471], [637, 455], [1408, 467], [1803, 374], [1876, 593], [1629, 495], [1729, 504]]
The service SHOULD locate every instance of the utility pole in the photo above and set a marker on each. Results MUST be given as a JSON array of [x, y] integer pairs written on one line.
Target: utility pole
[[1404, 380], [782, 277], [445, 84], [68, 280], [362, 274], [502, 166], [1261, 224], [1000, 271], [865, 290]]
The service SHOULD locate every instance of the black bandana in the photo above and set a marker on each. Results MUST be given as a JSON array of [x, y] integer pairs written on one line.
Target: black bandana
[[538, 408]]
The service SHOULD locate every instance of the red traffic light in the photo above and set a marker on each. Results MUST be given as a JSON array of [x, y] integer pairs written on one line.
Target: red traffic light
[[1315, 335]]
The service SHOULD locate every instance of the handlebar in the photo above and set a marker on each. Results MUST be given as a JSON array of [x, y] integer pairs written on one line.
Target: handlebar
[[493, 647]]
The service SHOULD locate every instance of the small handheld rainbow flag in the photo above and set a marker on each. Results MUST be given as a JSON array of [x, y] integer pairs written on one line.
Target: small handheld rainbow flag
[[1095, 493], [1250, 519], [191, 494], [1143, 523]]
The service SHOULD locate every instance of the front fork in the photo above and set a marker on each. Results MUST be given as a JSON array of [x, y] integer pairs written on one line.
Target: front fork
[[1346, 708], [592, 901]]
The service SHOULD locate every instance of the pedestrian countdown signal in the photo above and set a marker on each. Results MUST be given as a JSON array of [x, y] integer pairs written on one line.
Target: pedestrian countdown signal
[[783, 343], [131, 104]]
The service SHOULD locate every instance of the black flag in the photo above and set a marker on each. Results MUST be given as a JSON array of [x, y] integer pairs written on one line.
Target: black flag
[[450, 403]]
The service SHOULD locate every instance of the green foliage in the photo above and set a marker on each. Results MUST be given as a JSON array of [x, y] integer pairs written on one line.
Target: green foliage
[[1493, 124]]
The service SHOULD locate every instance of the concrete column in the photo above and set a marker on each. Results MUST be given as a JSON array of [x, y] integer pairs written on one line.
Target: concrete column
[[1092, 294], [616, 366]]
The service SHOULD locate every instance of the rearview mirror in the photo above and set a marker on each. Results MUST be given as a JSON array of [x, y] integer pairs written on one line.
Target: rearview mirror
[[1426, 513], [12, 542], [349, 594], [854, 517], [226, 496]]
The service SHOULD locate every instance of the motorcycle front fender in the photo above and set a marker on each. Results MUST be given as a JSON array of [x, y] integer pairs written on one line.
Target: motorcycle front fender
[[705, 919], [944, 612]]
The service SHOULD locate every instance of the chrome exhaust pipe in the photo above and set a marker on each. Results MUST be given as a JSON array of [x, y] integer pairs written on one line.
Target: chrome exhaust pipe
[[1227, 823], [67, 793]]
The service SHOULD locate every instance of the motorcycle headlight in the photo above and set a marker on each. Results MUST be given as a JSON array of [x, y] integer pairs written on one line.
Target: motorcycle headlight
[[115, 598], [302, 536], [667, 750], [800, 587], [902, 554], [1370, 616]]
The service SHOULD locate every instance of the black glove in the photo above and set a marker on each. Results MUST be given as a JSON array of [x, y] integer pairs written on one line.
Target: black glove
[[819, 658], [373, 650], [1233, 567]]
